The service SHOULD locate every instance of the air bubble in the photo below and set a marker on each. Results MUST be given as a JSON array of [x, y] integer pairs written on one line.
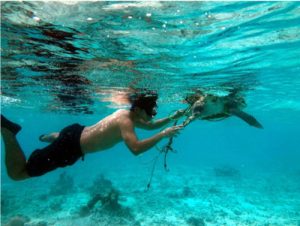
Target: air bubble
[[36, 18]]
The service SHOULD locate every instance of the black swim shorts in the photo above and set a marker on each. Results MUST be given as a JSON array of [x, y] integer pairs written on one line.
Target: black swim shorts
[[63, 151]]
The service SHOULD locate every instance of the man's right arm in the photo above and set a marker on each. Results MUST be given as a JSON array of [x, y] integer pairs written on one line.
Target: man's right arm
[[139, 146]]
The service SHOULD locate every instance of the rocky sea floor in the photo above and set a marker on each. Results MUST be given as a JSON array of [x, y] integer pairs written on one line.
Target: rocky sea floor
[[183, 196]]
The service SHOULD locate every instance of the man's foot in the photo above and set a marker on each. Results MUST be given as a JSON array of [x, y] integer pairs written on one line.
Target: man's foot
[[9, 125], [42, 137]]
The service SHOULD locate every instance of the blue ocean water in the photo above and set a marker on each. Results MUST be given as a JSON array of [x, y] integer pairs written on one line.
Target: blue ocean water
[[67, 62]]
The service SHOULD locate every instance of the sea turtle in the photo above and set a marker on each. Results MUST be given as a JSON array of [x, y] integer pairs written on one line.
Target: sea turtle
[[213, 107]]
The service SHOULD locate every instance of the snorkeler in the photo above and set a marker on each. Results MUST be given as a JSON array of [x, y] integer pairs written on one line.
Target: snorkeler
[[74, 141], [212, 107]]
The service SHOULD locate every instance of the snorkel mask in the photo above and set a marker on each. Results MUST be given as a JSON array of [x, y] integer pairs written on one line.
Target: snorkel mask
[[146, 100]]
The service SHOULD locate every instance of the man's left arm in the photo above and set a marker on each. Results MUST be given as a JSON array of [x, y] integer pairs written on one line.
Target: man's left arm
[[161, 122]]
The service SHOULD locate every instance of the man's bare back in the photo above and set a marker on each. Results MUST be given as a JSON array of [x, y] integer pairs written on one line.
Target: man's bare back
[[104, 134]]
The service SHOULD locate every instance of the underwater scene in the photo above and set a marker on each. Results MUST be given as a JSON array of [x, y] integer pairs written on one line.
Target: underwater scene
[[226, 76]]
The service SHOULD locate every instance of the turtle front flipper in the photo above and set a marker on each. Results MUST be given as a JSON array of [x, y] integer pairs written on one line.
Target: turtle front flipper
[[246, 117]]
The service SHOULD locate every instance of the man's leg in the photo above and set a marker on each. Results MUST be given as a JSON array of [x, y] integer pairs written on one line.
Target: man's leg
[[15, 160], [49, 138]]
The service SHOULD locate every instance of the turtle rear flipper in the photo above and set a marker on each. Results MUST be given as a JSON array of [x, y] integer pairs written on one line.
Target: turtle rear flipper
[[246, 117]]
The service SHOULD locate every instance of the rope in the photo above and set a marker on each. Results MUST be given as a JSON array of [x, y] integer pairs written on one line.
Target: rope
[[152, 172], [168, 147]]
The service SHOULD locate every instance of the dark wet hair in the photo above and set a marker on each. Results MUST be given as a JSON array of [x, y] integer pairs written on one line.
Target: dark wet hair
[[144, 99]]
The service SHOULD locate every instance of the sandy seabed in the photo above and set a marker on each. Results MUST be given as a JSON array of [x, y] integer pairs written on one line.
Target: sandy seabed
[[183, 196]]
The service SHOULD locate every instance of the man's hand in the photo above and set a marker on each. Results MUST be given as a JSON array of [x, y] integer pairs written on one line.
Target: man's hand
[[177, 114], [172, 131]]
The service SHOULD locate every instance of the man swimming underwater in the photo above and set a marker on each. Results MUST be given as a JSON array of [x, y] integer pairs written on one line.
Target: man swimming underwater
[[74, 141], [212, 107]]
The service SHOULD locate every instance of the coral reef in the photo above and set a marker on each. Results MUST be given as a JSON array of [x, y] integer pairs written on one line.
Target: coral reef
[[184, 192], [193, 221], [36, 223], [18, 220], [214, 190], [102, 191], [226, 171], [101, 185], [109, 202], [63, 185], [187, 192], [8, 203], [5, 204], [104, 205], [56, 205]]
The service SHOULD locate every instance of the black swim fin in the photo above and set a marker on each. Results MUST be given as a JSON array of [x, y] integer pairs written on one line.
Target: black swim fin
[[12, 127]]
